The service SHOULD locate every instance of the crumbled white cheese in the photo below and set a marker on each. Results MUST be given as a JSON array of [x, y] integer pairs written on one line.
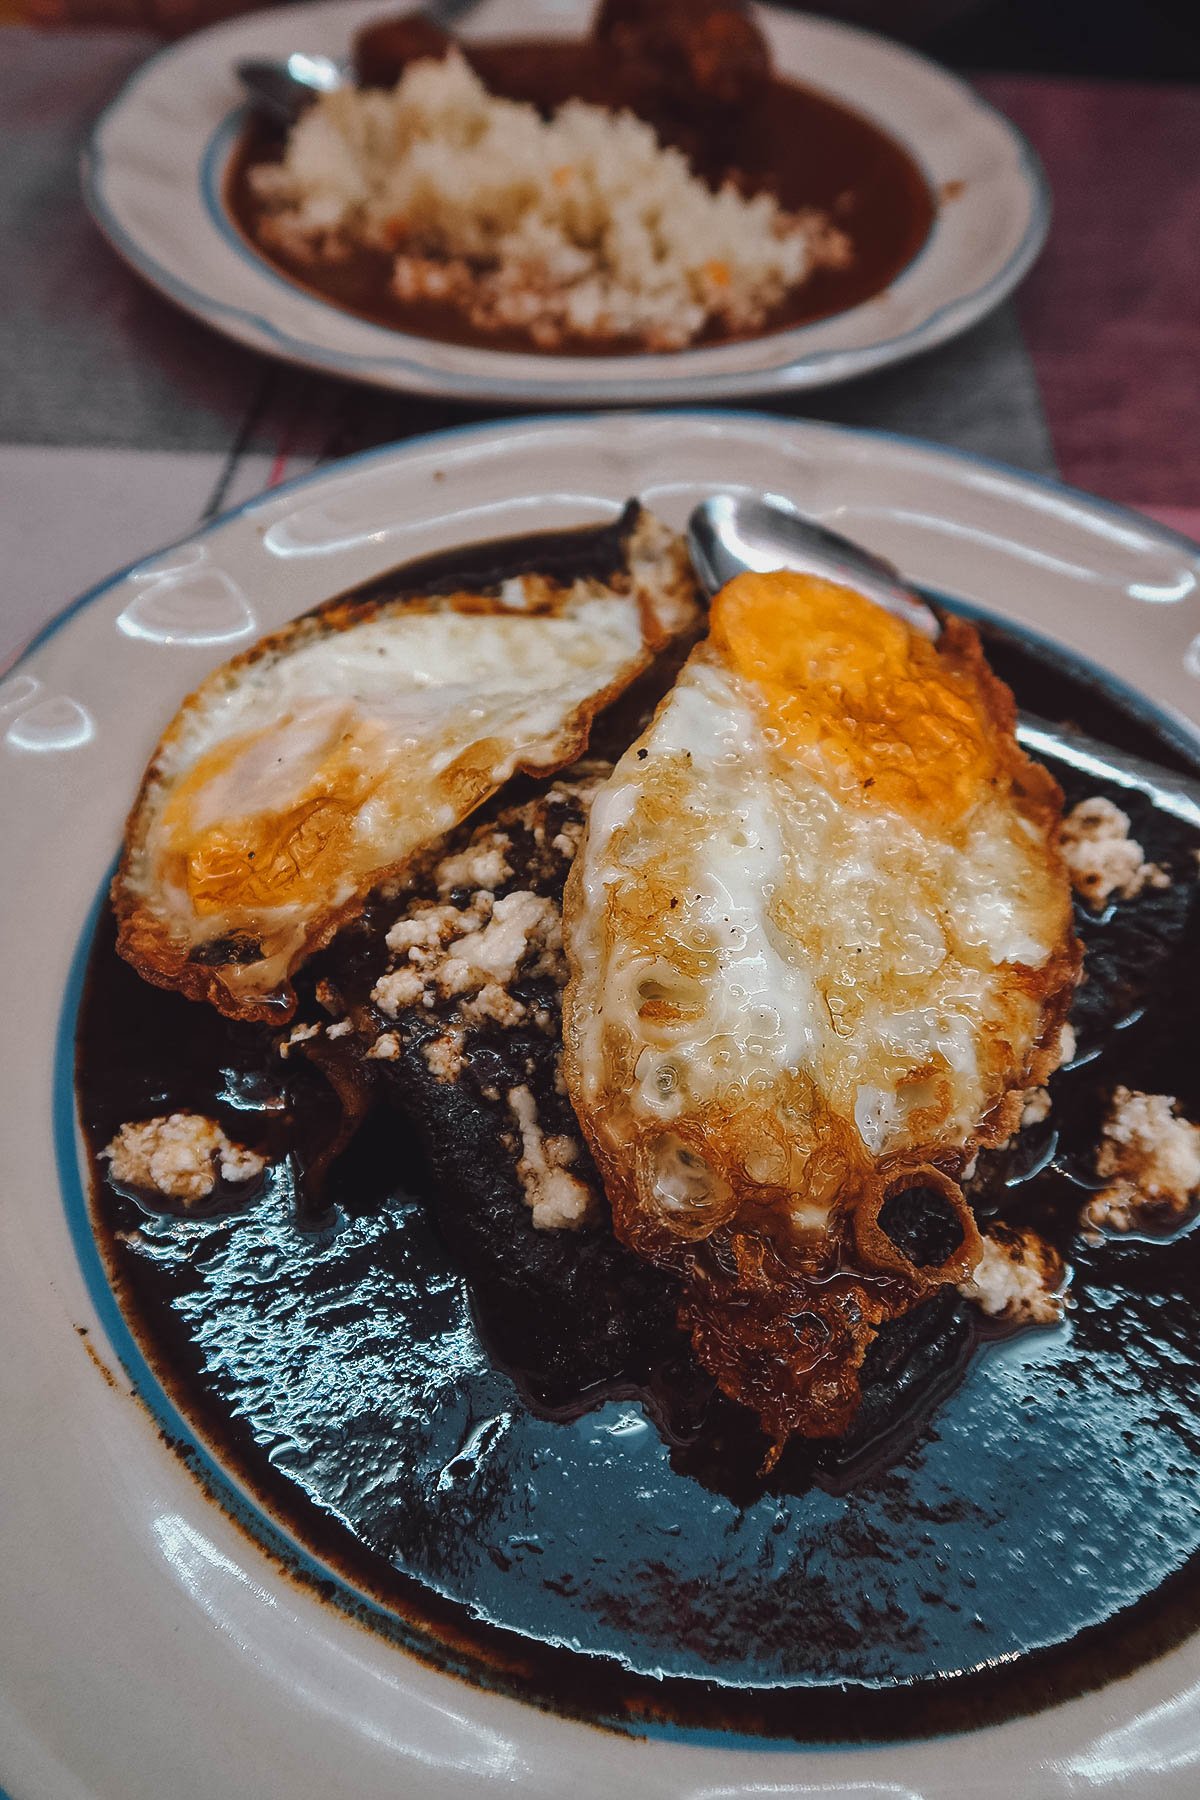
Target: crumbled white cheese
[[403, 987], [300, 1034], [558, 1200], [1036, 1107], [1102, 858], [424, 930], [495, 1003], [1150, 1158], [179, 1155], [341, 1029], [386, 1047], [480, 865], [1036, 1102], [471, 954], [519, 923], [1019, 1278], [238, 1163], [454, 977], [443, 1055], [450, 952]]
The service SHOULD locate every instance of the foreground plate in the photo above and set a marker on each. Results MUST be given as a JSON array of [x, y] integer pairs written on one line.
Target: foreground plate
[[152, 176], [153, 1647]]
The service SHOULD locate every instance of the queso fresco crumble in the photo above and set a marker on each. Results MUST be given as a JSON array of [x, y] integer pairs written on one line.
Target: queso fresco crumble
[[1102, 858], [180, 1156]]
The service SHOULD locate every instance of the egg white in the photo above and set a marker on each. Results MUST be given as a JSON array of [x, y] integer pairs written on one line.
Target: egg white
[[304, 773], [790, 986]]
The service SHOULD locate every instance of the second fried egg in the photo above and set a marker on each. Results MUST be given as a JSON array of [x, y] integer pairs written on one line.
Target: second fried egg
[[820, 938]]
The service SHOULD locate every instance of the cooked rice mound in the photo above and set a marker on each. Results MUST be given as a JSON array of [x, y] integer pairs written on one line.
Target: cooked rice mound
[[582, 226]]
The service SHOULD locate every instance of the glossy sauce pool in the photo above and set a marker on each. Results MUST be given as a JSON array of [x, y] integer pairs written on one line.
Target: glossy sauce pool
[[799, 144], [1020, 1520]]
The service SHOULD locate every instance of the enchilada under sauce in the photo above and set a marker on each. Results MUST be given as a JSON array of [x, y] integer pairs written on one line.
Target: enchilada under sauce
[[802, 146]]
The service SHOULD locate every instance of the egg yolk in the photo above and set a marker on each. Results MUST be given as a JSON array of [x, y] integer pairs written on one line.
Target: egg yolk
[[275, 860], [282, 856], [840, 676]]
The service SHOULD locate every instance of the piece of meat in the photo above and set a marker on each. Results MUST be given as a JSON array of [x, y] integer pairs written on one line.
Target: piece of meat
[[470, 1059], [689, 59], [384, 50]]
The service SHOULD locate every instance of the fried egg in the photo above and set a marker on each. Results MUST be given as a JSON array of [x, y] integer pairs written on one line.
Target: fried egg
[[820, 940], [321, 763]]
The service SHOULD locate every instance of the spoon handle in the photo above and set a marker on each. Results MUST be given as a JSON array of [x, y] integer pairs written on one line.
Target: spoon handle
[[1178, 795], [729, 534]]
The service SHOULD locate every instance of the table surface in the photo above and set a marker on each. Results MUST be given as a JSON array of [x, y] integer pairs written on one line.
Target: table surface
[[131, 422]]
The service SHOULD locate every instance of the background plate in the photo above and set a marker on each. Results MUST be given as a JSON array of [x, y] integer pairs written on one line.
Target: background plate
[[152, 1647], [153, 164]]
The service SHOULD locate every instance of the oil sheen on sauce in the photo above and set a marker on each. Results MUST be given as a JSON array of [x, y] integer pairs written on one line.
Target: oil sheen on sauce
[[804, 147], [1017, 1520]]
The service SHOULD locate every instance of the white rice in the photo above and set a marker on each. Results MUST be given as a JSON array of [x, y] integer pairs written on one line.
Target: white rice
[[580, 226]]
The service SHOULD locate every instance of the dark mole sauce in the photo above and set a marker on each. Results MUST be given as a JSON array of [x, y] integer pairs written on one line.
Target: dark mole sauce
[[806, 149], [1017, 1518]]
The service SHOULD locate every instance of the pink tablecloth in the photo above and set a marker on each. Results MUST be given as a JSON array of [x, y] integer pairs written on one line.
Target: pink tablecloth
[[1111, 314]]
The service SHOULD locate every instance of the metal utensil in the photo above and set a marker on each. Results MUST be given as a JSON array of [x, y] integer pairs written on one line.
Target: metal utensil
[[282, 90], [730, 534]]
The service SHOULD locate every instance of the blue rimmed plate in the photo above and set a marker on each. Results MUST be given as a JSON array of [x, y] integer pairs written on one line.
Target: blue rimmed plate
[[164, 1635], [154, 167]]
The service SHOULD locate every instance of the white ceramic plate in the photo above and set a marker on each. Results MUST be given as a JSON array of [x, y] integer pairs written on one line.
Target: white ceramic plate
[[151, 1647], [152, 176]]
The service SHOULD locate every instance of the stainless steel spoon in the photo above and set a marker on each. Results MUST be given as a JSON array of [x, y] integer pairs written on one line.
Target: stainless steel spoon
[[282, 90], [730, 534]]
